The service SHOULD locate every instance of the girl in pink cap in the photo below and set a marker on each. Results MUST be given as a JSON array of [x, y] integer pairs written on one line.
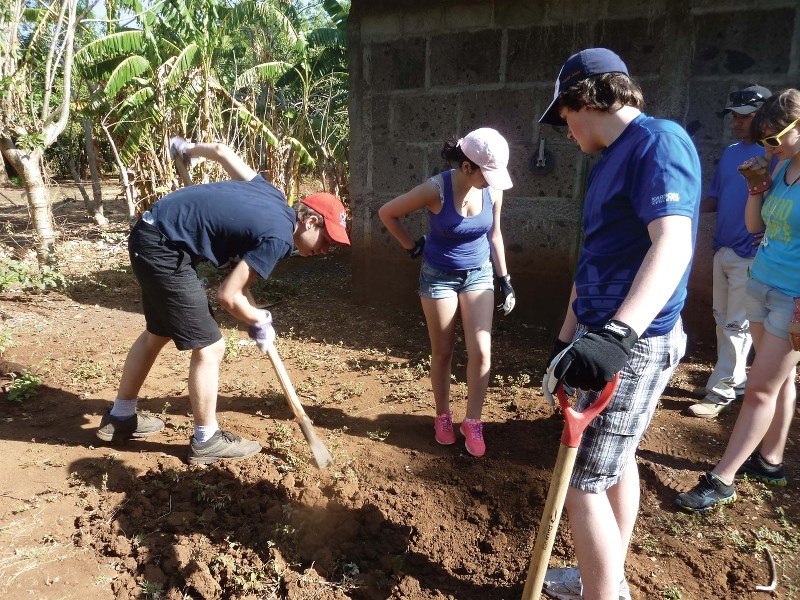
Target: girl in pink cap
[[462, 256]]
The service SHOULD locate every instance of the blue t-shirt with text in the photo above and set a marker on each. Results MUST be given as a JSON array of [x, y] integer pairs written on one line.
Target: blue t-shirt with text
[[221, 221], [650, 171]]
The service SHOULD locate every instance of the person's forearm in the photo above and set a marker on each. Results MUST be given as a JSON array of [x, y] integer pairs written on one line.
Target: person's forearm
[[234, 166], [752, 213], [398, 230], [567, 331], [241, 308], [498, 254]]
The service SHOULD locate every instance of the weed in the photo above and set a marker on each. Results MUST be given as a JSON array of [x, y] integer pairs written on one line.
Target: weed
[[231, 345], [23, 386], [19, 275], [379, 435], [672, 592], [211, 494], [152, 589], [6, 340], [88, 371], [348, 390]]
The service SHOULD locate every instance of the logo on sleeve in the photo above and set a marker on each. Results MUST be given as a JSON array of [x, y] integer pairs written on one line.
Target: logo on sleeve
[[668, 197], [343, 218]]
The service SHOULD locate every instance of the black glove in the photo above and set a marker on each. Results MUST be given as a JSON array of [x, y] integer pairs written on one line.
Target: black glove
[[558, 347], [596, 357], [507, 293], [416, 251]]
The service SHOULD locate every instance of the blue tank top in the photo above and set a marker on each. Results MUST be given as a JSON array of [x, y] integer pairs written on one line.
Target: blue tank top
[[456, 242]]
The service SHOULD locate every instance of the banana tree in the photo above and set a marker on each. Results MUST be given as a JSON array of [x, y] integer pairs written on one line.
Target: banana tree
[[171, 74], [36, 59]]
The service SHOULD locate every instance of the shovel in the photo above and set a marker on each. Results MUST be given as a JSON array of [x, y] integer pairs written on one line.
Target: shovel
[[574, 425]]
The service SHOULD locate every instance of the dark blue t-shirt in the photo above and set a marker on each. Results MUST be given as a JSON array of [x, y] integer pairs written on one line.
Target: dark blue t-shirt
[[730, 189], [220, 221], [650, 171]]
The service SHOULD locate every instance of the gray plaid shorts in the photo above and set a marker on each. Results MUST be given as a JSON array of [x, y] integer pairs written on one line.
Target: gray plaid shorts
[[610, 441]]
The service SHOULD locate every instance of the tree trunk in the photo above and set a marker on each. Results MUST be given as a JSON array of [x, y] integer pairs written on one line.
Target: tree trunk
[[97, 191], [127, 187], [4, 180], [29, 167], [73, 169]]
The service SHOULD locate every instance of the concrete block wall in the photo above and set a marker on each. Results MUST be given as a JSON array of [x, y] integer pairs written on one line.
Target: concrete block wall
[[422, 71]]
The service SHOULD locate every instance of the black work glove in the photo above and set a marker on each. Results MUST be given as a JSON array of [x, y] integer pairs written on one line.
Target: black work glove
[[507, 293], [416, 251], [558, 347], [595, 358]]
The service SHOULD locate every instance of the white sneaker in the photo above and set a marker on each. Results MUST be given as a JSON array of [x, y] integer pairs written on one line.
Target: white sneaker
[[565, 584]]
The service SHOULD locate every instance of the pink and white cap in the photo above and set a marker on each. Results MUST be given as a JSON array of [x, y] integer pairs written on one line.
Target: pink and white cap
[[489, 150]]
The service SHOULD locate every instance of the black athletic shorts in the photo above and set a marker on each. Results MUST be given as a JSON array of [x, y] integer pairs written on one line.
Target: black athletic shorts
[[174, 301]]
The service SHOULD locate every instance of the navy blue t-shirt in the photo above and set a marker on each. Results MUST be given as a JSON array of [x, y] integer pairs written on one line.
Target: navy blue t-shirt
[[650, 171], [220, 221]]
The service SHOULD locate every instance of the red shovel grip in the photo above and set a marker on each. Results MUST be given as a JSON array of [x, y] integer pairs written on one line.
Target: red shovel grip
[[576, 422]]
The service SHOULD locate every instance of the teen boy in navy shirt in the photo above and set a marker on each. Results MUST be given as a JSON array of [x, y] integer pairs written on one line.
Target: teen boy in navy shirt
[[244, 219], [640, 222]]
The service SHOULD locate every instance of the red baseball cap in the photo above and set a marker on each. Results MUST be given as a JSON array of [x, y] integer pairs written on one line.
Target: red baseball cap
[[330, 207]]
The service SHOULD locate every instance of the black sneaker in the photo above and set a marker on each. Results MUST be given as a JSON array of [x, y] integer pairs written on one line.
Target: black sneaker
[[755, 467], [117, 429], [222, 445], [707, 494]]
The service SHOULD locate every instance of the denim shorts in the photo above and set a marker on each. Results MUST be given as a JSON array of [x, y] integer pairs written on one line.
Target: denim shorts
[[767, 305], [437, 284]]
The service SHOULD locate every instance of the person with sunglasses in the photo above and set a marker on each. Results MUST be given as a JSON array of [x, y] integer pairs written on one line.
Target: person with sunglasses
[[734, 248], [758, 440]]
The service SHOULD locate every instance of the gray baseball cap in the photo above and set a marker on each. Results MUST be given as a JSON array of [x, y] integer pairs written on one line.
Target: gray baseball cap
[[748, 100]]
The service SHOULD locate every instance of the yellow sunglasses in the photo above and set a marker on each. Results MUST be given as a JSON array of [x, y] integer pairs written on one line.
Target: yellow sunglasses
[[775, 140]]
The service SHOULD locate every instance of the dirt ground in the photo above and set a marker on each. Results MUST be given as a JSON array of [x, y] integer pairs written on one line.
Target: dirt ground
[[395, 517]]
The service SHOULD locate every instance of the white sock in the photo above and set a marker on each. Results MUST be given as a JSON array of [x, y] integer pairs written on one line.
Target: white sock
[[203, 433], [124, 408]]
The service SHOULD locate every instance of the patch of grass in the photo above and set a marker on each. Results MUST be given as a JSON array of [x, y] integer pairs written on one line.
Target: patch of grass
[[23, 386], [672, 592]]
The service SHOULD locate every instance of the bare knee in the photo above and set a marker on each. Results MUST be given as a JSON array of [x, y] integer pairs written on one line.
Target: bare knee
[[211, 354]]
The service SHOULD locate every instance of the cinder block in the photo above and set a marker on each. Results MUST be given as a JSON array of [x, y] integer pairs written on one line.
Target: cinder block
[[397, 167], [380, 25], [424, 117], [738, 42], [516, 14], [639, 42], [535, 54], [465, 58], [515, 121], [704, 120], [398, 65], [458, 16], [380, 107], [557, 183], [424, 20]]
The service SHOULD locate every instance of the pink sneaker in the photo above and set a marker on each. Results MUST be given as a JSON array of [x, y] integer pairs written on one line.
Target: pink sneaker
[[473, 432], [443, 425]]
